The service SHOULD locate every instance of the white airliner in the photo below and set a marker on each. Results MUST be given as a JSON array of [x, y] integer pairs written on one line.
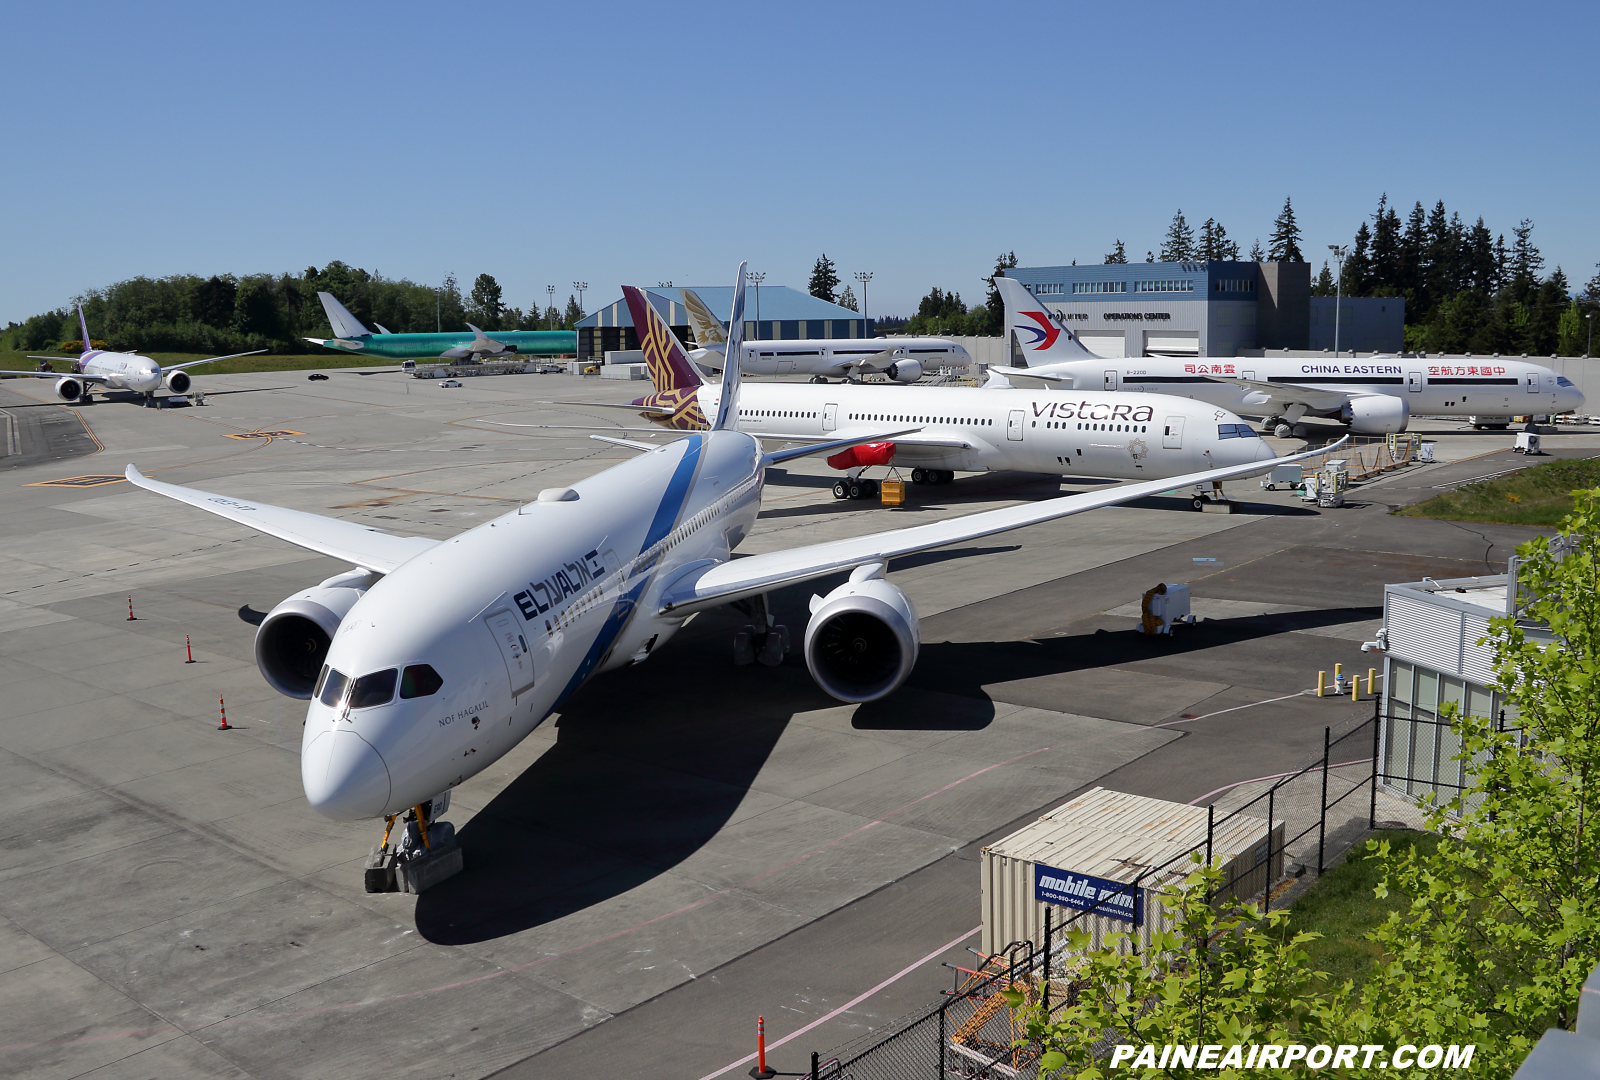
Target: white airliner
[[904, 360], [1123, 436], [1374, 396], [429, 659], [96, 369]]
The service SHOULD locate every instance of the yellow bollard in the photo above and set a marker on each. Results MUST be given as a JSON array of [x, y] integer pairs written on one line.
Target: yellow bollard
[[1355, 688], [1370, 673], [1322, 682]]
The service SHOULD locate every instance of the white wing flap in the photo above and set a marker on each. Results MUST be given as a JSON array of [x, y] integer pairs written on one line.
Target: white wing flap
[[360, 544], [738, 578], [1285, 394]]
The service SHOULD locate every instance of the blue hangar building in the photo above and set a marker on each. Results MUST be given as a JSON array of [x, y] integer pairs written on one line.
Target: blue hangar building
[[1208, 309], [772, 313]]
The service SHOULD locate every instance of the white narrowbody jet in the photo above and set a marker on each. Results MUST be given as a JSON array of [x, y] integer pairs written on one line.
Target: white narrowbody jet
[[904, 360], [97, 369], [965, 429], [1374, 396], [429, 660]]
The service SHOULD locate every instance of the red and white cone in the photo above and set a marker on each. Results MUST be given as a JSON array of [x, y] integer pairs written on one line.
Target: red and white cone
[[224, 710]]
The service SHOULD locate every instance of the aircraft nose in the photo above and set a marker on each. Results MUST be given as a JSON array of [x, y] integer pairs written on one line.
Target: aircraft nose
[[344, 777], [1263, 451]]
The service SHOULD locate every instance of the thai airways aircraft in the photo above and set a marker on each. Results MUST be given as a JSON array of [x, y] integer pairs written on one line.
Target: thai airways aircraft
[[97, 369], [1124, 436], [428, 660], [904, 360], [1374, 396], [349, 335]]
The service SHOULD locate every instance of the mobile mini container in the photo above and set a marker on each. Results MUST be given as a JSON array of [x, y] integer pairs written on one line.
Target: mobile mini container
[[1081, 854]]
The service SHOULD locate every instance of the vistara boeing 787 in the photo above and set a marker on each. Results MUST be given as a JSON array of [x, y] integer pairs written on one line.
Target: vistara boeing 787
[[99, 369], [1374, 395], [429, 660], [350, 336]]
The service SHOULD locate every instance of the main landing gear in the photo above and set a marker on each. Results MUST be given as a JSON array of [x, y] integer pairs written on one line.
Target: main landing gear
[[854, 487], [932, 476], [766, 646], [425, 854], [1282, 427]]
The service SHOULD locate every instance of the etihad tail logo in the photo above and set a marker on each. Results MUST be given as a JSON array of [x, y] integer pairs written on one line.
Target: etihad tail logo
[[1045, 333]]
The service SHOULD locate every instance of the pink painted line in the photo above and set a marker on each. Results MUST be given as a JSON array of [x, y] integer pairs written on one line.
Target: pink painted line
[[852, 1003], [256, 1016], [1219, 712], [1274, 776]]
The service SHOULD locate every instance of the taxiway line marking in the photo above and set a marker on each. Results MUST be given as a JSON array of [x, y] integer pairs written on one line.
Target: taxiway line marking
[[852, 1003]]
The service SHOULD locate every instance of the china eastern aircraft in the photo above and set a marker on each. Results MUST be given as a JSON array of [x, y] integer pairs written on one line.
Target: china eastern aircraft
[[351, 336], [428, 660], [1122, 436], [97, 369], [903, 360], [1374, 396]]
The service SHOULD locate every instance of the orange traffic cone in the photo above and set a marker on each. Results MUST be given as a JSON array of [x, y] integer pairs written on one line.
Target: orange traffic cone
[[224, 710]]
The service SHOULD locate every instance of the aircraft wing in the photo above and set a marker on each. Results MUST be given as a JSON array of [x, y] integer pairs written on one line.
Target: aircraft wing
[[1031, 373], [1282, 395], [54, 374], [363, 545], [721, 583], [210, 360]]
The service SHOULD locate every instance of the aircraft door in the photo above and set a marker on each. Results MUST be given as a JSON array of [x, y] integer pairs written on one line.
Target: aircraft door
[[1172, 433], [513, 648], [785, 367], [1414, 381], [1014, 425], [1248, 375], [830, 416], [1531, 380], [1111, 380]]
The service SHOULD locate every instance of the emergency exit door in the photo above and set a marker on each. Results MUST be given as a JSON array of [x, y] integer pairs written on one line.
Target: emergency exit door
[[1414, 381], [1111, 380], [513, 649], [1014, 425], [1531, 379], [1172, 433], [830, 416]]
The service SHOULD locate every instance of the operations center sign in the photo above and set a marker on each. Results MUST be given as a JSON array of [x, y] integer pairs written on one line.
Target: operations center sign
[[1064, 888]]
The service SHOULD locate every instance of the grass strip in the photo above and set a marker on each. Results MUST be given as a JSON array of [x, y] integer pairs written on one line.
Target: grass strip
[[1538, 495]]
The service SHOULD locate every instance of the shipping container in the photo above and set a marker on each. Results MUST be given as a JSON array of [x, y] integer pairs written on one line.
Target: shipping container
[[1080, 852]]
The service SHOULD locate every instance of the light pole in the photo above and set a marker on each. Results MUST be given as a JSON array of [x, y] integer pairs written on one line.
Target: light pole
[[550, 291], [758, 278], [863, 276], [580, 286], [1590, 350], [1338, 294]]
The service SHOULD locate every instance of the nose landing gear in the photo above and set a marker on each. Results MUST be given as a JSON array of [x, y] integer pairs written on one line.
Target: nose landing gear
[[425, 854]]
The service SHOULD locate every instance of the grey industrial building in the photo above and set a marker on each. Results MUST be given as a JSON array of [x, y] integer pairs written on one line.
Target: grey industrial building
[[1208, 309], [772, 313]]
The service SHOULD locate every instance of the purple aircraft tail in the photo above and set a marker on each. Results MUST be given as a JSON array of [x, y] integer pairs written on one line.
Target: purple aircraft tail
[[83, 326], [670, 369]]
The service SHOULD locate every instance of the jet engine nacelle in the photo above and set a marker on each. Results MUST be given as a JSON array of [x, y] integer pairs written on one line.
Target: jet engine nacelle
[[863, 638], [906, 371], [178, 382], [1376, 414], [293, 639], [69, 389]]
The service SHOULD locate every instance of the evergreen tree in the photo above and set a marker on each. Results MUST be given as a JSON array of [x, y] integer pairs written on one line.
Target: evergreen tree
[[573, 315], [1214, 243], [1413, 243], [994, 304], [1149, 256], [1478, 270], [1118, 256], [1591, 291], [824, 280], [848, 299], [487, 306], [1179, 244], [1256, 254], [1324, 285], [1526, 262], [1286, 236], [1385, 249], [1358, 264]]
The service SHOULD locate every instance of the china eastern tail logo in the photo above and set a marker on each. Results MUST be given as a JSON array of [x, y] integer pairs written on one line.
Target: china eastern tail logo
[[1046, 331]]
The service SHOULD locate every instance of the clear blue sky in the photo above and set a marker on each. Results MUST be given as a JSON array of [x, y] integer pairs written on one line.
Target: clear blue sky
[[642, 143]]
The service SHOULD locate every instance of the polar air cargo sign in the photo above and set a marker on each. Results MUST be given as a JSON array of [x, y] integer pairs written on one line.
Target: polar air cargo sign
[[1112, 899]]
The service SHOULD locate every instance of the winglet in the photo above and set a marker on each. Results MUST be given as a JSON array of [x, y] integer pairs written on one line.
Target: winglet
[[83, 325], [344, 324], [479, 334], [728, 407]]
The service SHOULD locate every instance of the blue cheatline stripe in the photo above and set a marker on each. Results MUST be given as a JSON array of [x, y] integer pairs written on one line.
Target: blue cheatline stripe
[[667, 514]]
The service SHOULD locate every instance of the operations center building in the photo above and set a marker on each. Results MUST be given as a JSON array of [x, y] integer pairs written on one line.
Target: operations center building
[[1208, 309]]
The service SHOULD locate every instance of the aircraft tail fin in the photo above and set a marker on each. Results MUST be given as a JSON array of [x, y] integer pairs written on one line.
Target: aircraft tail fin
[[1043, 336], [83, 326], [728, 408], [345, 325], [707, 327], [669, 368]]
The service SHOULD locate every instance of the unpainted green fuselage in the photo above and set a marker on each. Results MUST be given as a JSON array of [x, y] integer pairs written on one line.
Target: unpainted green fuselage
[[429, 346]]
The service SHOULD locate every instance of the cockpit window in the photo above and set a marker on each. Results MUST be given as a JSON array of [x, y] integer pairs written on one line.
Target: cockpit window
[[419, 680], [374, 689], [1562, 380], [333, 685], [1236, 431]]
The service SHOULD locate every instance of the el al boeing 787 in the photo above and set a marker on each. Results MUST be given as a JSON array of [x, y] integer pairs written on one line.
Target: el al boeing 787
[[428, 660]]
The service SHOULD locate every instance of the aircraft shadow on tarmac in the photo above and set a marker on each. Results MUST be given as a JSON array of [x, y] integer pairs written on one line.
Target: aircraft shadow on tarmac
[[647, 769]]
